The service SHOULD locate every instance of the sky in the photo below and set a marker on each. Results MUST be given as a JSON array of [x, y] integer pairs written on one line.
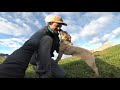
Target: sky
[[89, 30]]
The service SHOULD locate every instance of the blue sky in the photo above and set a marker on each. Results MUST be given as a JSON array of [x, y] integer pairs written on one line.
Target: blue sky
[[89, 30]]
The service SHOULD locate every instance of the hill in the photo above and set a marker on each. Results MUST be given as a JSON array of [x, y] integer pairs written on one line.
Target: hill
[[107, 61], [105, 46]]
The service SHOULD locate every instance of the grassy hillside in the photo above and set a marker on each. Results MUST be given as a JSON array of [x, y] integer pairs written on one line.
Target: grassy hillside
[[107, 61], [2, 59]]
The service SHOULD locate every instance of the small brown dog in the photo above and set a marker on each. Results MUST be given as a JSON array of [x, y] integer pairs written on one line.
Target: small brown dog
[[66, 47]]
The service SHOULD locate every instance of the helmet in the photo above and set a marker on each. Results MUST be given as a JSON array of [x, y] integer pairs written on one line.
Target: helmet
[[57, 19]]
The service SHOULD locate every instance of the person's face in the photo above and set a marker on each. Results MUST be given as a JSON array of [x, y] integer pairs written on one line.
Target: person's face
[[55, 27]]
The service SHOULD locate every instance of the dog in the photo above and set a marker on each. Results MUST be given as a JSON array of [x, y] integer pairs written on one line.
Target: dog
[[66, 47]]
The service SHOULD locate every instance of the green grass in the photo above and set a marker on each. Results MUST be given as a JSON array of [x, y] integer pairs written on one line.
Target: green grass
[[107, 61], [2, 59], [76, 68]]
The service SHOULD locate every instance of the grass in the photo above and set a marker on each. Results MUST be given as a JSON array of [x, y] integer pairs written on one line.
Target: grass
[[107, 61], [2, 59]]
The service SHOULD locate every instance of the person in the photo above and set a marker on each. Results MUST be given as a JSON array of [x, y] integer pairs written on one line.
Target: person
[[43, 43]]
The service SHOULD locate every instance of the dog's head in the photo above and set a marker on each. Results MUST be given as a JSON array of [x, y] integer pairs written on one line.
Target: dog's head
[[64, 36]]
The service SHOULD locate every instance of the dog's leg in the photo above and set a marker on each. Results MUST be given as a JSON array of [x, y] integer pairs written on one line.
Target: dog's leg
[[95, 69], [90, 60], [59, 57], [91, 63]]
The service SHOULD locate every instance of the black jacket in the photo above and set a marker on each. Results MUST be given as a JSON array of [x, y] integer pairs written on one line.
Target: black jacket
[[35, 38], [55, 46]]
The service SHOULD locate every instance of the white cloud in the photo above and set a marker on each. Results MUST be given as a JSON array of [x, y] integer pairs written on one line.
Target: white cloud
[[74, 37], [19, 21], [105, 37], [102, 39], [10, 28], [3, 19], [28, 18], [116, 32], [37, 24], [94, 40], [13, 43], [95, 26]]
